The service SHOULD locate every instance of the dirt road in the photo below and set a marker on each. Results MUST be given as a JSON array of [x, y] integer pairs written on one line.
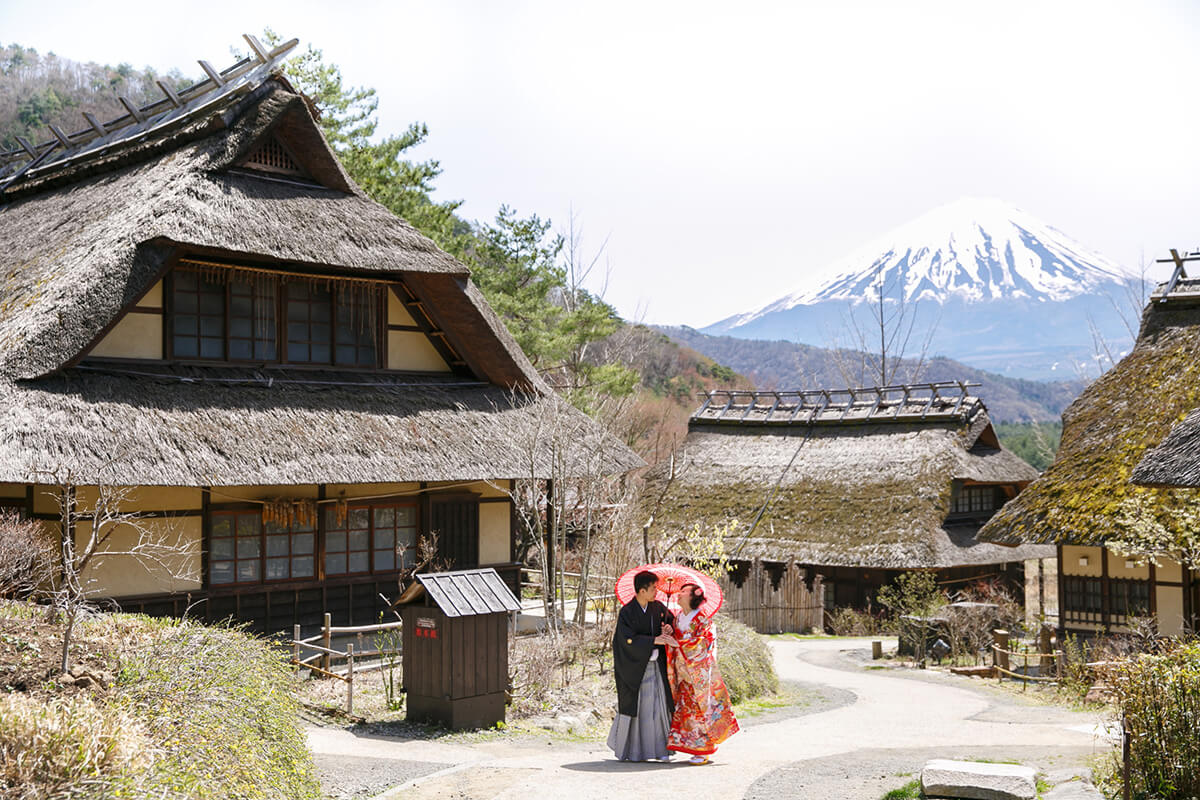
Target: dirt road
[[890, 724]]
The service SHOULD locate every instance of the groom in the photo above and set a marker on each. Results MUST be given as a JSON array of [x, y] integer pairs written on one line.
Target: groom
[[644, 705]]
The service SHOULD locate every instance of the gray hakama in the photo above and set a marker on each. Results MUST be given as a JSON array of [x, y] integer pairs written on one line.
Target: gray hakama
[[645, 736]]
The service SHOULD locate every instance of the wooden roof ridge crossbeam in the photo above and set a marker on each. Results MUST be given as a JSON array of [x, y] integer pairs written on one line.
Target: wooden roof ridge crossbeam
[[173, 105], [1180, 270], [945, 399]]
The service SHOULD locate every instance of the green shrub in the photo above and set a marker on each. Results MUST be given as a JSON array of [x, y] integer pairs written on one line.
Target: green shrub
[[744, 661], [1159, 698], [218, 706], [852, 622]]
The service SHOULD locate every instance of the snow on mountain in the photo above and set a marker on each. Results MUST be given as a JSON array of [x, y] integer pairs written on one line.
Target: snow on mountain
[[971, 250]]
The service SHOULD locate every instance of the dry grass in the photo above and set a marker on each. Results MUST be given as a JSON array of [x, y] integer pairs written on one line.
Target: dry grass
[[187, 711]]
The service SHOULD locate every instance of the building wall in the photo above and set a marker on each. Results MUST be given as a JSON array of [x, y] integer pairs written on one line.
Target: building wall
[[138, 334], [1166, 581], [173, 528], [409, 350]]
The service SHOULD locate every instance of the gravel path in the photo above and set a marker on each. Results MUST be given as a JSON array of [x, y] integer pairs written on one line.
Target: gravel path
[[867, 728]]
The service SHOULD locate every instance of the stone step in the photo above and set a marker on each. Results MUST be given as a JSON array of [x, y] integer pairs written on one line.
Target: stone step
[[978, 780]]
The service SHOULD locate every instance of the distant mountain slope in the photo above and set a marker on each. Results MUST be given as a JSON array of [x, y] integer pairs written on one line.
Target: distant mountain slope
[[789, 365], [1002, 290]]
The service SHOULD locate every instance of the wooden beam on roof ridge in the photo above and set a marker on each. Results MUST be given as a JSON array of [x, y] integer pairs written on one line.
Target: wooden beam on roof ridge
[[171, 95], [132, 108], [63, 138], [27, 147], [96, 124], [261, 53], [212, 74]]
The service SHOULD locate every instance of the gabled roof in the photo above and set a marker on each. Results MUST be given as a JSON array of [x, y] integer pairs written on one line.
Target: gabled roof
[[84, 237], [469, 592], [854, 488], [1109, 429]]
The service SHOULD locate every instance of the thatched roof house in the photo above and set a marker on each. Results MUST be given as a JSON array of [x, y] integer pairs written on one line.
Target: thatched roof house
[[196, 297], [893, 478], [1086, 498]]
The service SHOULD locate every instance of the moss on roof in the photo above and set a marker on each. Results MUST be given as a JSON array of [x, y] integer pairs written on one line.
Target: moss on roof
[[1106, 432]]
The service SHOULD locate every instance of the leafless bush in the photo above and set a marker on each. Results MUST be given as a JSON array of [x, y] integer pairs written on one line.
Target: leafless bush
[[26, 556], [853, 622]]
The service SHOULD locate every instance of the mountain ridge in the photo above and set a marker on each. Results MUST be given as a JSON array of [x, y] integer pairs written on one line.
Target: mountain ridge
[[781, 364], [998, 288]]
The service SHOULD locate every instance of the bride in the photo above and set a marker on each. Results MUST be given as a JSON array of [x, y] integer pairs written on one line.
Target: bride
[[703, 715]]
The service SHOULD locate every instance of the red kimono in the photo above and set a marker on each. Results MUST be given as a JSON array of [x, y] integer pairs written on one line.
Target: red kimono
[[703, 715]]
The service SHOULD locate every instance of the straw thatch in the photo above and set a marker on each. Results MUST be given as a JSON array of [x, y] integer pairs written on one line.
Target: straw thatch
[[870, 494], [82, 240], [1176, 461], [180, 426], [80, 244], [1081, 497]]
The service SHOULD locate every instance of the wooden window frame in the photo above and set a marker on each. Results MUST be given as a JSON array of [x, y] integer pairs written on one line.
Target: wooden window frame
[[214, 512], [281, 323], [370, 506]]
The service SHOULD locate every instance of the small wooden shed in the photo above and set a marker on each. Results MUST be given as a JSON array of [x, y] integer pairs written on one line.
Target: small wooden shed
[[456, 649]]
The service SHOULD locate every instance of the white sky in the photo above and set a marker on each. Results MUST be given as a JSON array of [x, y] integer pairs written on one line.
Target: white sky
[[730, 151]]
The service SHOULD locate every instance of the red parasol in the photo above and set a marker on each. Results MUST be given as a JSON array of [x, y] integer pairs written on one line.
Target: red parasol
[[671, 578]]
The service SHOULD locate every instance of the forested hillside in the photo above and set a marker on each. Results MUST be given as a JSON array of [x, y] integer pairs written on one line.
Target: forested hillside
[[788, 365], [37, 90]]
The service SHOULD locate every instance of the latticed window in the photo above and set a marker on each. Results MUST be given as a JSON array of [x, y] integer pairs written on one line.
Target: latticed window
[[198, 328], [975, 500], [1129, 597], [237, 315], [272, 156], [235, 547], [244, 550], [1082, 595], [370, 538]]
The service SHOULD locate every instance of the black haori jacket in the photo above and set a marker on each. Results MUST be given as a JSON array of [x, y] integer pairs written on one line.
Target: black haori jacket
[[632, 645]]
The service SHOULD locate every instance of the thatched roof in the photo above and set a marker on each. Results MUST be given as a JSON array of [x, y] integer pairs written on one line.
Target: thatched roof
[[85, 232], [181, 426], [863, 491], [1176, 461], [1081, 497], [81, 242]]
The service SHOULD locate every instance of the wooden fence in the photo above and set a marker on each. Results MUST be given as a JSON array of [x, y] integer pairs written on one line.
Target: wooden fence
[[323, 659], [775, 598]]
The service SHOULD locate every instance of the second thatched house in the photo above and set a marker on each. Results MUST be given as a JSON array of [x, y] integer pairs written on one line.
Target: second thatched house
[[1116, 539], [289, 386], [854, 486]]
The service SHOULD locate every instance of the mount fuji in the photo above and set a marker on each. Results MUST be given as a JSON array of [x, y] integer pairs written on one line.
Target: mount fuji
[[989, 285]]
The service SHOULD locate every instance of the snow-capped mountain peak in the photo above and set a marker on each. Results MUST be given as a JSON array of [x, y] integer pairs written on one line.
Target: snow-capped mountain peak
[[972, 250]]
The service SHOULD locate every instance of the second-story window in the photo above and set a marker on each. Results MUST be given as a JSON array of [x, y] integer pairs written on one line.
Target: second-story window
[[976, 500], [261, 317]]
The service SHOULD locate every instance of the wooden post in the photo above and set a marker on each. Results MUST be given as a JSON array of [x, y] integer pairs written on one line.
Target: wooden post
[[1000, 652], [1046, 648], [325, 637], [876, 650], [349, 679], [296, 645]]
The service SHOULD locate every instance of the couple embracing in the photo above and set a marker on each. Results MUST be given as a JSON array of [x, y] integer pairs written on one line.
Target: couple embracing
[[670, 695]]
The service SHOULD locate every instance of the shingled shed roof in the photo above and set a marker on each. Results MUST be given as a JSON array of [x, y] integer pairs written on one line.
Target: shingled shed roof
[[856, 488], [469, 592], [1110, 428]]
